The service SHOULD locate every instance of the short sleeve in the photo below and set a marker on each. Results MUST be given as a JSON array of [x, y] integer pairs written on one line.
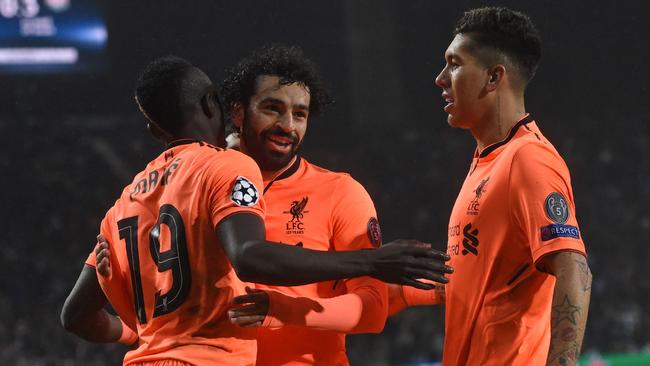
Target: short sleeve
[[117, 287], [104, 229], [233, 182], [542, 201], [354, 218], [90, 261]]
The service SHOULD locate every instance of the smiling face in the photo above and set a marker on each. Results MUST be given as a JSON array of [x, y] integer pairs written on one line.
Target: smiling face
[[463, 81], [274, 122]]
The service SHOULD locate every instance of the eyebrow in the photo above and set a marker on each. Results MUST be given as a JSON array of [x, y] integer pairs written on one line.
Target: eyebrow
[[452, 55], [272, 100]]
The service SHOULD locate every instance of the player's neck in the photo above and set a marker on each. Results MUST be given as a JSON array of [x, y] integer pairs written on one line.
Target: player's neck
[[269, 175], [497, 122], [197, 134]]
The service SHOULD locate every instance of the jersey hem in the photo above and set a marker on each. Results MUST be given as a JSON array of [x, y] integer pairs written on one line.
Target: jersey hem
[[558, 246]]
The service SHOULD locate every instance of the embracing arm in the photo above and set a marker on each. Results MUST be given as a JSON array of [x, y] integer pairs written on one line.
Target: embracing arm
[[402, 297], [256, 260], [84, 315], [361, 310], [570, 305]]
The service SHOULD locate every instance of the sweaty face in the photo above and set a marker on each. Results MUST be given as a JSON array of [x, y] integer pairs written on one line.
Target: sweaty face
[[274, 123], [463, 81]]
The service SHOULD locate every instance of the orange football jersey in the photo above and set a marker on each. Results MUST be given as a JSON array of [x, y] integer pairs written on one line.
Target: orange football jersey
[[171, 280], [515, 206], [318, 209]]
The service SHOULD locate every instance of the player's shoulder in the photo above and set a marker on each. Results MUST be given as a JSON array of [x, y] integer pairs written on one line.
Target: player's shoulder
[[535, 154], [539, 150], [323, 175], [215, 156], [532, 145], [342, 184]]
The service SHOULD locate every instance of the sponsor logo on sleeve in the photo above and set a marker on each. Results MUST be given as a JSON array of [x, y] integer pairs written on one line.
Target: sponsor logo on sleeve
[[556, 208], [244, 193], [374, 232], [559, 231]]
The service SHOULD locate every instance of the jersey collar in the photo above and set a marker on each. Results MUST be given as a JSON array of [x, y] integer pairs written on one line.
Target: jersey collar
[[180, 142], [524, 121], [286, 174]]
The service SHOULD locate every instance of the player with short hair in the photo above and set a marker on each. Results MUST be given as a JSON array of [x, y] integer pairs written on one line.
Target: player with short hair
[[189, 229], [521, 287], [271, 95]]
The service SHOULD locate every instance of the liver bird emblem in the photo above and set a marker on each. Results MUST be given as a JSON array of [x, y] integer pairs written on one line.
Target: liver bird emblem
[[297, 209]]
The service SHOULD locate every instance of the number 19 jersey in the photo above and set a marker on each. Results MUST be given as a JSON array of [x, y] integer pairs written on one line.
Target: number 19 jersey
[[171, 279]]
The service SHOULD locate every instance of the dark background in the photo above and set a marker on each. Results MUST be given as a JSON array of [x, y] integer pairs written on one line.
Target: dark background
[[70, 143]]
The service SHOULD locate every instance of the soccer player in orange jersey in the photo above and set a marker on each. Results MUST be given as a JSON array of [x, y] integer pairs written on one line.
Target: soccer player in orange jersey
[[271, 95], [521, 287], [189, 229]]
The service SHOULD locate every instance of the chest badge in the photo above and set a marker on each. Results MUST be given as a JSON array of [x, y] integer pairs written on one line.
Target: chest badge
[[295, 226], [473, 207]]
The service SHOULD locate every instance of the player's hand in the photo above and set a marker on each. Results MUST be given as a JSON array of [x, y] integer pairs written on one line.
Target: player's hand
[[103, 256], [405, 262], [250, 310]]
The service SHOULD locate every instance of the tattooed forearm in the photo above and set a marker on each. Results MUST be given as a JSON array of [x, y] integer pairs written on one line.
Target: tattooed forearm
[[585, 273], [565, 311], [570, 307], [564, 334], [567, 356]]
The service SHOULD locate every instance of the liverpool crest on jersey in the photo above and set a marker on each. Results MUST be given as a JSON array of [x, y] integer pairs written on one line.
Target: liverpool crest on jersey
[[473, 207], [297, 210]]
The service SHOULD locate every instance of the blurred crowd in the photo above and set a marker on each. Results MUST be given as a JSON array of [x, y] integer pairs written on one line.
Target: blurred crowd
[[60, 174]]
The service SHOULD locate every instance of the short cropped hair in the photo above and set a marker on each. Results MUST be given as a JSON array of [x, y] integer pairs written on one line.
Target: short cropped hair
[[286, 62], [500, 34], [160, 91]]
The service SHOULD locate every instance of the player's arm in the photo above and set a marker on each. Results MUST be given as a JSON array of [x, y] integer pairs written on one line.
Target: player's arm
[[361, 310], [362, 303], [84, 315], [541, 200], [570, 304], [401, 297], [237, 211], [242, 236]]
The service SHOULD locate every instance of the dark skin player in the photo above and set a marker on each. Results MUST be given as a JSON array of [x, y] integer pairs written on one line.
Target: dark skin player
[[242, 235]]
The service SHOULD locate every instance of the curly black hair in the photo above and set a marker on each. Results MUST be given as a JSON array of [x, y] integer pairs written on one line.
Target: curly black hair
[[499, 33], [288, 63]]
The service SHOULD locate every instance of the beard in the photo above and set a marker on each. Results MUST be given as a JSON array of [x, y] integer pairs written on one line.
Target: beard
[[268, 160]]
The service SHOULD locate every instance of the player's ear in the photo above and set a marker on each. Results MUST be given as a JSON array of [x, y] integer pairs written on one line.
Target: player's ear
[[237, 115], [495, 74], [208, 104]]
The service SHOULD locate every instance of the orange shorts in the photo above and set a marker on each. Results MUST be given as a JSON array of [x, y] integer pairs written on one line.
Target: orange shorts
[[167, 362]]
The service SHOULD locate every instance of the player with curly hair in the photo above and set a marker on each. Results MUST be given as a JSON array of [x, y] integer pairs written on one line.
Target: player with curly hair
[[270, 96], [190, 228]]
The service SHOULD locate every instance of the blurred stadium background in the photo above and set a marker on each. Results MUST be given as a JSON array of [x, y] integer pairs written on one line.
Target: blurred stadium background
[[72, 138]]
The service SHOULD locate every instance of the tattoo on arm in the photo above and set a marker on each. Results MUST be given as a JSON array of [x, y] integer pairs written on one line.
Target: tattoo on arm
[[565, 311], [585, 273], [570, 309], [565, 327]]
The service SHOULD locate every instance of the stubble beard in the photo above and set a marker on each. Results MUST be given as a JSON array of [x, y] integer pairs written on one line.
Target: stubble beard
[[270, 161]]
